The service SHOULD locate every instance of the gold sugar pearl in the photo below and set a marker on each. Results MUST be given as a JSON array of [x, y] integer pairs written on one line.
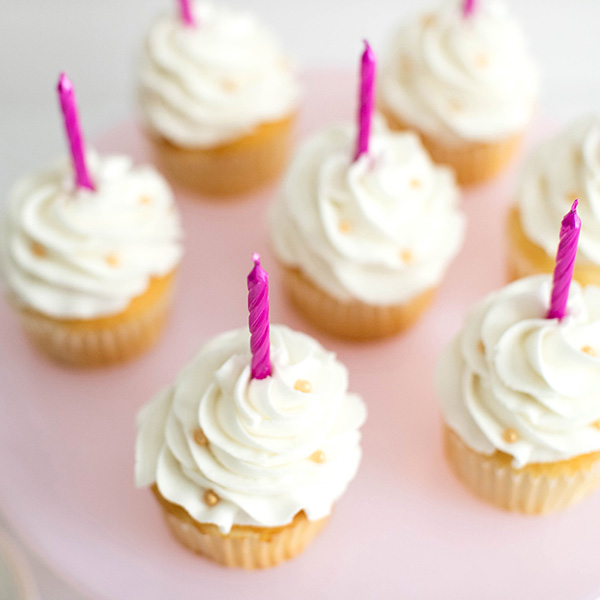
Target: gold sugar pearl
[[596, 424], [415, 183], [481, 347], [210, 498], [113, 260], [145, 200], [428, 20], [406, 255], [572, 196], [346, 226], [589, 350], [510, 435], [199, 437], [302, 385], [318, 457], [482, 60], [39, 250]]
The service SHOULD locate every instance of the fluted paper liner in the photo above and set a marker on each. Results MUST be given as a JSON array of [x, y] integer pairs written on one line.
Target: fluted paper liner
[[526, 258], [535, 489], [244, 546], [473, 162], [351, 320], [103, 341], [233, 168]]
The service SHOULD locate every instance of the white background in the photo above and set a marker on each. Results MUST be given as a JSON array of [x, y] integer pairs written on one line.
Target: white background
[[97, 43]]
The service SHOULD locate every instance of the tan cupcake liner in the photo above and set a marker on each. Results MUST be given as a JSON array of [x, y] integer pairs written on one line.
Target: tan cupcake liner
[[351, 320], [535, 489], [525, 258], [103, 341], [244, 546], [473, 162], [235, 168]]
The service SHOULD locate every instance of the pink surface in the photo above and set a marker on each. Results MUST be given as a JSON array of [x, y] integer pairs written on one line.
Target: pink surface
[[405, 528]]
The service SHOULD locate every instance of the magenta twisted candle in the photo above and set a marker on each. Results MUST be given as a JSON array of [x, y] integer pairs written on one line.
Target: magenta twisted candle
[[468, 7], [366, 100], [186, 13], [68, 105], [565, 263], [258, 307]]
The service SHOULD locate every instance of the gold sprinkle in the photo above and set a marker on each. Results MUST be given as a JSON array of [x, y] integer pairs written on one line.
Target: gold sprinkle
[[302, 385], [346, 226], [482, 60], [318, 457], [589, 350], [145, 200], [415, 183], [510, 435], [572, 196], [596, 424], [229, 86], [428, 20], [456, 105], [210, 498], [113, 260], [406, 255], [39, 250], [200, 438], [481, 347]]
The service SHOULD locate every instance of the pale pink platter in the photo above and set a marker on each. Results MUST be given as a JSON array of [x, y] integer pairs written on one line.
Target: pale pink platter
[[405, 528]]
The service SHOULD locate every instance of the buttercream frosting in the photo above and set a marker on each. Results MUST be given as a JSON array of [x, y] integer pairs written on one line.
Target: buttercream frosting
[[207, 85], [381, 229], [257, 435], [565, 167], [461, 77], [512, 370], [79, 254]]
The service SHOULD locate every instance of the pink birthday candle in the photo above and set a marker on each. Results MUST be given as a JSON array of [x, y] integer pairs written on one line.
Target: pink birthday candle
[[68, 105], [258, 307], [468, 8], [367, 95], [565, 263], [186, 13]]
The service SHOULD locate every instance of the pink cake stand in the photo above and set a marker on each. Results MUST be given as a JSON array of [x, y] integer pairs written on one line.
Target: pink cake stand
[[405, 528]]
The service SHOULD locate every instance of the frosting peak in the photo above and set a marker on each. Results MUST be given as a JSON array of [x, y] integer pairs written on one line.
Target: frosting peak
[[260, 434], [77, 254], [207, 85], [511, 369], [380, 229]]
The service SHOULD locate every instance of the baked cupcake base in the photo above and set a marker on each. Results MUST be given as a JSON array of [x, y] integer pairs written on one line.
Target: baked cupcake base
[[245, 547], [473, 162], [351, 320], [234, 168], [105, 340], [525, 258], [535, 489]]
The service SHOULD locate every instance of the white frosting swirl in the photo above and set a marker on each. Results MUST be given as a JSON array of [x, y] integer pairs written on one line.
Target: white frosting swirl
[[380, 230], [561, 168], [511, 368], [204, 86], [261, 433], [455, 77], [79, 254]]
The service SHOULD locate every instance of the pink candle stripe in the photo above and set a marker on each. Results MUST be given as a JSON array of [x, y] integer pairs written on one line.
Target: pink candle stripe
[[366, 101], [258, 307], [565, 263], [68, 105], [186, 13], [468, 7]]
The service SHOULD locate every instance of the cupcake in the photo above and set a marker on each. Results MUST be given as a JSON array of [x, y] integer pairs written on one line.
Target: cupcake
[[89, 261], [520, 390], [218, 100], [253, 444], [559, 170], [462, 77]]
